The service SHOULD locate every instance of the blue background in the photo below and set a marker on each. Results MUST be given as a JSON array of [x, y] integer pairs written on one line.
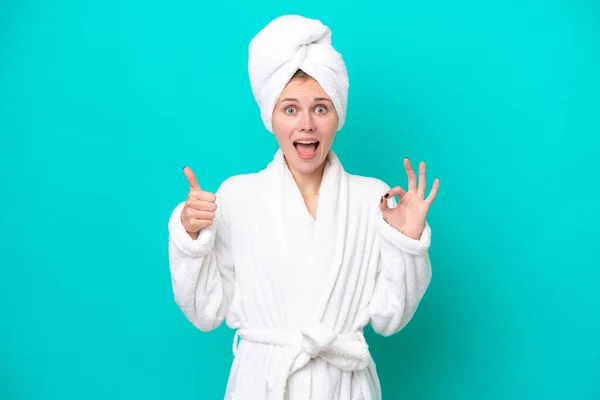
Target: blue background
[[103, 102]]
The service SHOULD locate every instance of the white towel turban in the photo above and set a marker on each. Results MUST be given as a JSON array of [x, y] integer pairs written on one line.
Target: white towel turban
[[289, 43]]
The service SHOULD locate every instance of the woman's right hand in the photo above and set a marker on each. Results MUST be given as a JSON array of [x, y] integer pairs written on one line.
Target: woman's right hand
[[200, 206]]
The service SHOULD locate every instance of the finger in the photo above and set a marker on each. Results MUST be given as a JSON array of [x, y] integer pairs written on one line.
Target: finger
[[412, 178], [383, 204], [201, 215], [434, 189], [201, 205], [201, 195], [191, 178], [422, 181], [396, 191], [199, 224]]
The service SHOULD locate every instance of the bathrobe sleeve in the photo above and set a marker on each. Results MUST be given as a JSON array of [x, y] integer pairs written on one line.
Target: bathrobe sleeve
[[202, 273], [403, 275]]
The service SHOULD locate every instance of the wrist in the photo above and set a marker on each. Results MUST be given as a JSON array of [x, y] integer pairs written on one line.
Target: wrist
[[406, 230], [416, 235], [193, 235]]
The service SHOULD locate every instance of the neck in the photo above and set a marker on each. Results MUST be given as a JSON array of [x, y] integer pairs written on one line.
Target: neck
[[309, 184]]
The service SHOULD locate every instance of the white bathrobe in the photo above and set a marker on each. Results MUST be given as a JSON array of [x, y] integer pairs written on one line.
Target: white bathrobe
[[299, 290]]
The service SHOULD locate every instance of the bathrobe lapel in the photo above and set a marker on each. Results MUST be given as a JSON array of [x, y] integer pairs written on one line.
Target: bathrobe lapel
[[317, 317], [330, 225]]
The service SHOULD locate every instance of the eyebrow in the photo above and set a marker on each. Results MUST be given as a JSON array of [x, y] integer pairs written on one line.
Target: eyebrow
[[315, 99]]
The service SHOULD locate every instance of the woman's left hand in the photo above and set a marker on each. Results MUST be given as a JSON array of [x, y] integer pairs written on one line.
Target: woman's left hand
[[408, 217]]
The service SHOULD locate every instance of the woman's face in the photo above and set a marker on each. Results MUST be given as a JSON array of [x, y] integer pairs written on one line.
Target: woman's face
[[305, 123]]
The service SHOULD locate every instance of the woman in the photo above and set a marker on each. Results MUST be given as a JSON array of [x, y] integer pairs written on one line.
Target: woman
[[300, 256]]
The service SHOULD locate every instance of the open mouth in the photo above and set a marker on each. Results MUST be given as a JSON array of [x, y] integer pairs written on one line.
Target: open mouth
[[306, 148]]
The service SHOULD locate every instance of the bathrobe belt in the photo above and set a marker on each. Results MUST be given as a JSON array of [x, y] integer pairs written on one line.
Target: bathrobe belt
[[347, 351]]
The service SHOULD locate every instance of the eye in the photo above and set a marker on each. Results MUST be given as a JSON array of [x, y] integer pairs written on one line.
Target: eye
[[321, 109], [290, 110]]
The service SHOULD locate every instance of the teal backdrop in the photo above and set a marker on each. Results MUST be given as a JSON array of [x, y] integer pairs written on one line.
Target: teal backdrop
[[103, 102]]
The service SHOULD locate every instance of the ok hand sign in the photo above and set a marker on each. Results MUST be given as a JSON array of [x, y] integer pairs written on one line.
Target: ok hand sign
[[409, 216]]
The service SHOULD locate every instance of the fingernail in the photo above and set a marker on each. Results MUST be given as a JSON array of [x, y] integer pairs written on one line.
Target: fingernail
[[184, 166], [386, 195]]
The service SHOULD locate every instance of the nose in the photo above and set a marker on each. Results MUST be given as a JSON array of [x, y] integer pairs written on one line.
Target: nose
[[306, 123]]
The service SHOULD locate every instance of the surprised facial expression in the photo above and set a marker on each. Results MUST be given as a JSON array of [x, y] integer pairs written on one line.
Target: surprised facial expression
[[305, 123]]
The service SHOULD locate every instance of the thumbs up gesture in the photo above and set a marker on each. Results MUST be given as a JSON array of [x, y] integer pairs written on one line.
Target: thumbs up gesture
[[200, 206]]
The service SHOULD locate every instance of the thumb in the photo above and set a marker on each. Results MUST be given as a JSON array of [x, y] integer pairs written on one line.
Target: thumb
[[383, 204], [191, 178]]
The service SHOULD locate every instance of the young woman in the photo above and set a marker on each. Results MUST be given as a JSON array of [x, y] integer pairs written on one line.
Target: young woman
[[301, 256]]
